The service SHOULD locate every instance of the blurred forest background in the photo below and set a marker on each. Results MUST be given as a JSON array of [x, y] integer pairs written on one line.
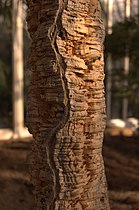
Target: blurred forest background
[[120, 42], [6, 65], [123, 40]]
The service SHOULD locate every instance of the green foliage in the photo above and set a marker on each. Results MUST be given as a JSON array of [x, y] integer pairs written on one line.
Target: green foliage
[[124, 37], [5, 61], [124, 41]]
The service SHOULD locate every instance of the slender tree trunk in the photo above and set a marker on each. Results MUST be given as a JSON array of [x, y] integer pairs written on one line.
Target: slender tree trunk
[[18, 96], [66, 112]]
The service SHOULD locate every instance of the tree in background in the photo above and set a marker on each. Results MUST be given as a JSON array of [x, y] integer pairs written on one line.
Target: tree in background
[[66, 112], [125, 38], [6, 90]]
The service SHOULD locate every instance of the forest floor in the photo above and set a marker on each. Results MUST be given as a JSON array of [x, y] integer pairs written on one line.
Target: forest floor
[[121, 157]]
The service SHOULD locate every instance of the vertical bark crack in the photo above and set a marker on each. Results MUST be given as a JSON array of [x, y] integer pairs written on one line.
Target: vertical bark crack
[[54, 31]]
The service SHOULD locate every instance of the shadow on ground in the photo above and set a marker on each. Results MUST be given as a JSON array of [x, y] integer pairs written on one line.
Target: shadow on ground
[[121, 157], [15, 187]]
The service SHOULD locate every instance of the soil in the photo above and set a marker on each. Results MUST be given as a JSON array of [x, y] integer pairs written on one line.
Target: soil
[[15, 187], [121, 156]]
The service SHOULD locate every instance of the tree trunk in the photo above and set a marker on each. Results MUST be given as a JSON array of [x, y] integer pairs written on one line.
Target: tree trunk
[[66, 112]]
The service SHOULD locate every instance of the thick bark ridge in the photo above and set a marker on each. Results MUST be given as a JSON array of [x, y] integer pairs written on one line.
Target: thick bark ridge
[[66, 111]]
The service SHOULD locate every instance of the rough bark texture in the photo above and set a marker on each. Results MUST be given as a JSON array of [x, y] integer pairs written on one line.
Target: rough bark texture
[[66, 110]]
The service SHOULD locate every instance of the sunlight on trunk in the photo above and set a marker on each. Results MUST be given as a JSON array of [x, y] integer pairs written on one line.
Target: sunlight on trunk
[[66, 112]]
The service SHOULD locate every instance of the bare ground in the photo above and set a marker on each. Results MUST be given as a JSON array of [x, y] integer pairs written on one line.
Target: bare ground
[[122, 169], [15, 187], [121, 155]]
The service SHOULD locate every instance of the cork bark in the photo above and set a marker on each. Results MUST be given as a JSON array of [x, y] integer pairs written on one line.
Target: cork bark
[[66, 111]]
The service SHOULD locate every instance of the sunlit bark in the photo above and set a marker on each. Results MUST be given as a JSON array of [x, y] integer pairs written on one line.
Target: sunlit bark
[[66, 112]]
